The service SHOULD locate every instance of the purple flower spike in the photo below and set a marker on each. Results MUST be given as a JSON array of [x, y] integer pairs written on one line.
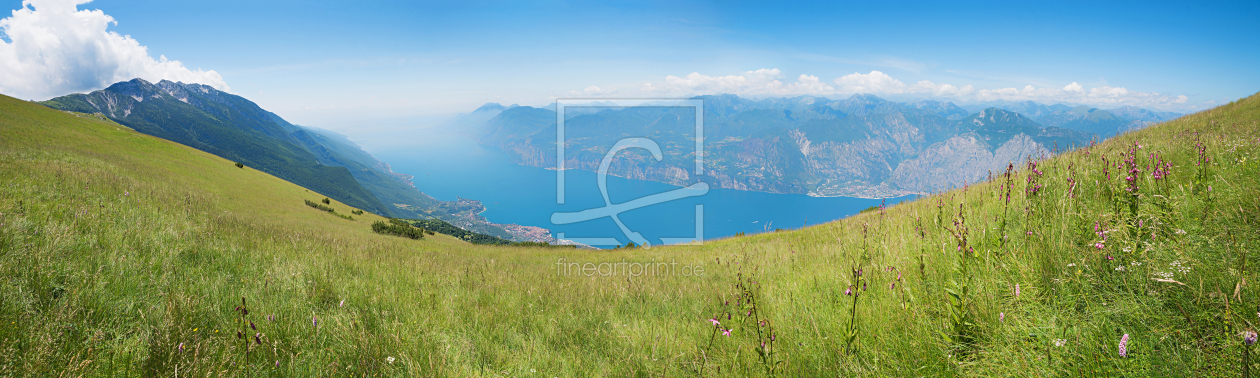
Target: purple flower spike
[[1249, 337], [1124, 345]]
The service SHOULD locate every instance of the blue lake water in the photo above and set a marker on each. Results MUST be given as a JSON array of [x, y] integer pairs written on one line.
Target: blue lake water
[[446, 166]]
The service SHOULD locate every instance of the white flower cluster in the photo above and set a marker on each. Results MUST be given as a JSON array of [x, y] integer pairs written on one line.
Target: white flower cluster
[[1179, 266]]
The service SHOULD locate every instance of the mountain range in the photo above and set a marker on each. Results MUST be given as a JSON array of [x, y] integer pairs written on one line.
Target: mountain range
[[862, 146], [237, 129]]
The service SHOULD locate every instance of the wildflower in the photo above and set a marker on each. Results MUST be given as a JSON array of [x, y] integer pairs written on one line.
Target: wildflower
[[271, 317], [727, 332], [342, 304], [315, 321], [1016, 290], [849, 291], [389, 359], [1002, 317], [181, 346], [1124, 345], [1110, 258], [257, 338], [1071, 264], [1249, 337], [277, 363], [1060, 342], [251, 325], [714, 321]]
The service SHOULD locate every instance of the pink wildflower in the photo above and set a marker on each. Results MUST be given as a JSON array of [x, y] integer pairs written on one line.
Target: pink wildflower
[[1124, 345]]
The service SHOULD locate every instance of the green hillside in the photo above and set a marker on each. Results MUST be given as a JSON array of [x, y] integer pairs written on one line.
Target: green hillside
[[122, 254]]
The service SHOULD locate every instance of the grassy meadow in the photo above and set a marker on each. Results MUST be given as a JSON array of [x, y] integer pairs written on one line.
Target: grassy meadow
[[126, 255]]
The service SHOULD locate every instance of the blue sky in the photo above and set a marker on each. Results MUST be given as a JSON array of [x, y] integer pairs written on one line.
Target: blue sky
[[339, 65]]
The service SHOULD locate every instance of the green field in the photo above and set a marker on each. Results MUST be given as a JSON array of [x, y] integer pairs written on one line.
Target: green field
[[122, 254]]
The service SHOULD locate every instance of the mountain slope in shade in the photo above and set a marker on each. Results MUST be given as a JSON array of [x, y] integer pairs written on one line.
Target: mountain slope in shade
[[223, 124]]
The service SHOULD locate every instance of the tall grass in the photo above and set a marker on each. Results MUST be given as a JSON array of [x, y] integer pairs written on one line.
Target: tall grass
[[124, 255]]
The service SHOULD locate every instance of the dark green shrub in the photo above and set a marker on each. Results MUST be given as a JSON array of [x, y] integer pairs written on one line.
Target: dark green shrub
[[329, 209], [356, 212], [239, 165], [318, 206], [327, 201], [392, 228]]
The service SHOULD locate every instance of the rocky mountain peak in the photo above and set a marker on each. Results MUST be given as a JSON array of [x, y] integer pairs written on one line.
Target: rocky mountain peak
[[137, 88]]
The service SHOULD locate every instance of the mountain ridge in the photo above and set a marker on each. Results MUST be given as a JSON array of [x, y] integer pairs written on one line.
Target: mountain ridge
[[862, 146]]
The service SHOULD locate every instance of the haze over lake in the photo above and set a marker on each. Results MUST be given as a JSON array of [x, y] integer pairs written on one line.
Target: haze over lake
[[447, 165]]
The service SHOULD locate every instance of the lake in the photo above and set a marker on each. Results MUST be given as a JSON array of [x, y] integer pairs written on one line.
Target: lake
[[447, 165]]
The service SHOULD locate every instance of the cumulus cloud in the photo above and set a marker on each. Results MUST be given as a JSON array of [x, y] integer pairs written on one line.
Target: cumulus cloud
[[768, 82], [51, 48]]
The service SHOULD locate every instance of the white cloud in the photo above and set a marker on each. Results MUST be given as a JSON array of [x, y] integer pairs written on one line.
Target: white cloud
[[874, 82], [760, 82], [51, 48], [767, 82]]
